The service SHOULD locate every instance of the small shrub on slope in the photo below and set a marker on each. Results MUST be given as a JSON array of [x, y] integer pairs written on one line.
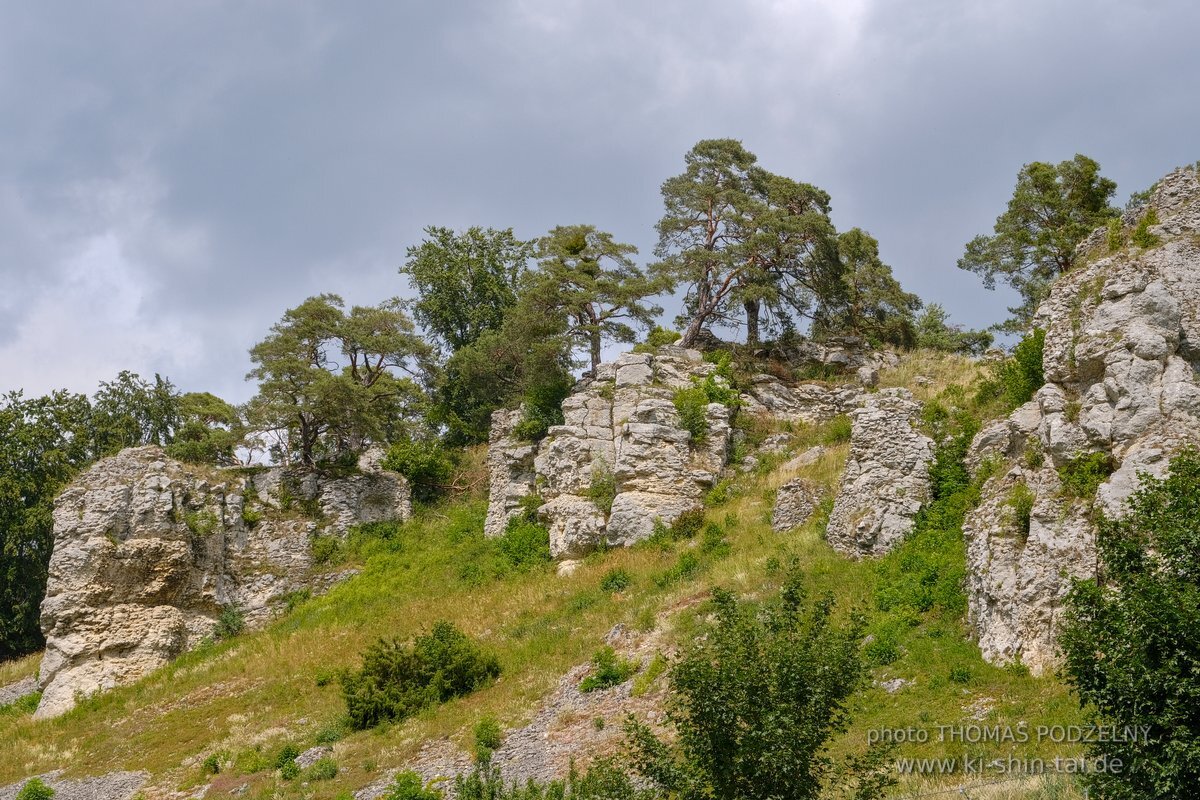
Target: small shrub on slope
[[398, 679]]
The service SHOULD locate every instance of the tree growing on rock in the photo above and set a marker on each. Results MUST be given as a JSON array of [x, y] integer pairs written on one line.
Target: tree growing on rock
[[1053, 208], [329, 382], [870, 304], [591, 280]]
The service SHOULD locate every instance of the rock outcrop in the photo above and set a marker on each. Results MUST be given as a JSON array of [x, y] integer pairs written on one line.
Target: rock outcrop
[[795, 502], [886, 480], [149, 553], [1122, 348], [620, 461]]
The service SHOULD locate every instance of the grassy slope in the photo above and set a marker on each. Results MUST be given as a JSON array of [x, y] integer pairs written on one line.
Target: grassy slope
[[247, 697]]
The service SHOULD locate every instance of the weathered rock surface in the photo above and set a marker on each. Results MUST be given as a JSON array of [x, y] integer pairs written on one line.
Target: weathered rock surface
[[795, 502], [149, 552], [886, 480], [510, 471], [1120, 361], [620, 461], [113, 786], [15, 691], [805, 402]]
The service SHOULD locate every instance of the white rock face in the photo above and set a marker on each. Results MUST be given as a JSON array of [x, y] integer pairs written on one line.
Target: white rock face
[[1122, 346], [621, 442], [148, 552], [795, 502], [510, 471], [886, 479]]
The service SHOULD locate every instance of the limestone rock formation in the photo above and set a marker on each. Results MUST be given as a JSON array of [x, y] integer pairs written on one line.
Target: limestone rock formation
[[795, 502], [620, 461], [510, 471], [805, 402], [1121, 351], [149, 552], [886, 479]]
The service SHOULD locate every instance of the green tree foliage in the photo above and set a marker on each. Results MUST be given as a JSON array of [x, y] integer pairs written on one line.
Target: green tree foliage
[[44, 442], [871, 304], [592, 280], [755, 702], [1016, 378], [934, 331], [1132, 639], [428, 465], [467, 282], [735, 234], [330, 381], [1051, 211], [398, 678], [209, 431], [130, 411], [526, 362]]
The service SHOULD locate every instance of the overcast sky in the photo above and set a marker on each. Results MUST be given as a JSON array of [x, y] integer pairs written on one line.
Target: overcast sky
[[174, 175]]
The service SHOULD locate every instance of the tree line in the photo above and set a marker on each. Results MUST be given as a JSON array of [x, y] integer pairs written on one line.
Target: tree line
[[496, 321]]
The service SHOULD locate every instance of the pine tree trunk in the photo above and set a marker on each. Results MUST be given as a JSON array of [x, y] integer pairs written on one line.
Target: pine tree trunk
[[752, 309], [595, 342]]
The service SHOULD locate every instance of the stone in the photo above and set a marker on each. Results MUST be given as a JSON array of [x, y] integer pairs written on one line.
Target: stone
[[795, 502], [635, 513], [867, 376], [806, 459], [312, 755], [111, 786], [510, 471], [886, 480], [149, 553], [1120, 366], [575, 523], [15, 691]]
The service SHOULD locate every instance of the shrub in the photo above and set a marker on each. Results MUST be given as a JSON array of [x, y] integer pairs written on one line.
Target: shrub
[[661, 337], [603, 488], [960, 675], [408, 785], [230, 623], [1131, 638], [686, 566], [616, 580], [692, 405], [1082, 476], [607, 671], [1142, 237], [325, 549], [1021, 500], [1017, 378], [211, 765], [646, 679], [488, 737], [428, 466], [1116, 235], [525, 544], [543, 406], [688, 524], [398, 679], [783, 673], [251, 516], [289, 771], [287, 755], [323, 769], [34, 789]]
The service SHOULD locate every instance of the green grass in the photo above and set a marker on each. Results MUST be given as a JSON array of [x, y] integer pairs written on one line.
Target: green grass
[[252, 695]]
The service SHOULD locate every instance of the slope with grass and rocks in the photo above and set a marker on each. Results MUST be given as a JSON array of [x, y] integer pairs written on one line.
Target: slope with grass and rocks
[[277, 690]]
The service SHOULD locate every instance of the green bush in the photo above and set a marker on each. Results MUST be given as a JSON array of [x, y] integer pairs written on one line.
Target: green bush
[[428, 466], [525, 544], [1021, 501], [607, 671], [692, 405], [661, 337], [960, 675], [34, 789], [398, 679], [230, 623], [211, 765], [408, 785], [1018, 377], [1131, 639], [323, 769], [1082, 476], [654, 670], [289, 771], [1142, 237], [688, 524], [488, 737], [686, 566], [287, 755], [603, 488], [616, 580], [325, 549]]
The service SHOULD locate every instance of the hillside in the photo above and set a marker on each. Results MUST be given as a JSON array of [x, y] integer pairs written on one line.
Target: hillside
[[261, 691]]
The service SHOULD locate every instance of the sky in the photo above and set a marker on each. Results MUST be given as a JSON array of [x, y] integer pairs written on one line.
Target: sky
[[174, 176]]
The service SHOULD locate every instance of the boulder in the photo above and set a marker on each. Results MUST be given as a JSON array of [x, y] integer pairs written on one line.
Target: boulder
[[510, 471], [886, 480], [795, 502]]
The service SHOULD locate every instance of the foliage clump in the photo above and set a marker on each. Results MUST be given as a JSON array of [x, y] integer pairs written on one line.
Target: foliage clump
[[1132, 639], [400, 678], [1015, 380], [427, 464], [35, 789], [607, 671], [1082, 475]]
